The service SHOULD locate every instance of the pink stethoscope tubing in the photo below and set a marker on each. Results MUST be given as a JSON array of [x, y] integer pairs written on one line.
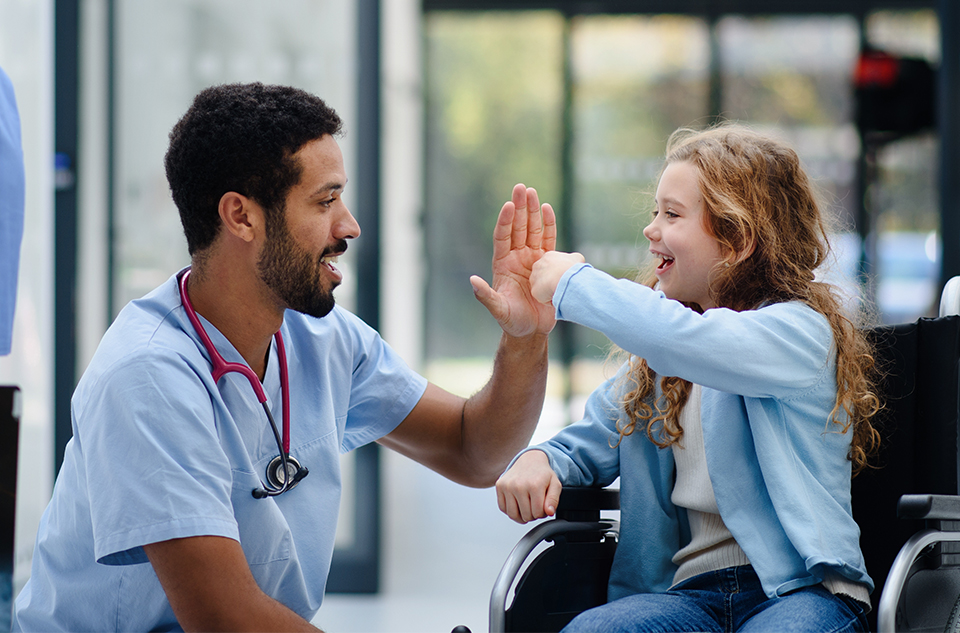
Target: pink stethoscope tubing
[[221, 367]]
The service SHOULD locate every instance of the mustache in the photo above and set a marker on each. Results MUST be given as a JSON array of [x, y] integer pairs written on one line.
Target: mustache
[[340, 246]]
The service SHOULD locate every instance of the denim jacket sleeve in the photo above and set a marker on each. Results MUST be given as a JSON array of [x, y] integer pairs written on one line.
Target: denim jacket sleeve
[[776, 351], [585, 453]]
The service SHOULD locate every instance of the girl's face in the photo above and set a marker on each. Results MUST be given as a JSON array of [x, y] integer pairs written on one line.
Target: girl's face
[[678, 237]]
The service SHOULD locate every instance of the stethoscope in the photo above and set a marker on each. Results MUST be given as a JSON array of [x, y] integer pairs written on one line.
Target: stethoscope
[[284, 472]]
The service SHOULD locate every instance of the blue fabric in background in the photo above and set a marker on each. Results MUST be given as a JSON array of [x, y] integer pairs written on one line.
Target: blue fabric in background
[[12, 192]]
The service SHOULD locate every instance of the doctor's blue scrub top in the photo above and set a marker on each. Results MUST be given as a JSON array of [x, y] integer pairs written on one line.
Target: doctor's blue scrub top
[[12, 197], [161, 452]]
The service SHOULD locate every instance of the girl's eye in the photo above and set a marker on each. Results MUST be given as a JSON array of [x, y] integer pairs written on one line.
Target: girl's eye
[[667, 213]]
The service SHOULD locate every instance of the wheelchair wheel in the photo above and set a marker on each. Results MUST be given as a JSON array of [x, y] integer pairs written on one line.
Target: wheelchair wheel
[[953, 622]]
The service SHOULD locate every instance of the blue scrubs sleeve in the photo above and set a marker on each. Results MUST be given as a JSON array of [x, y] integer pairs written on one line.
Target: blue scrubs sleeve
[[154, 463], [383, 389]]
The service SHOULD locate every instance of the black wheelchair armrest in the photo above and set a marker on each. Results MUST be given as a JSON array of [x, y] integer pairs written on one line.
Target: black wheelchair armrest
[[929, 507], [583, 503]]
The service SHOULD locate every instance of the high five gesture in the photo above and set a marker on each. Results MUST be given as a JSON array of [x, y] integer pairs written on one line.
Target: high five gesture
[[525, 231]]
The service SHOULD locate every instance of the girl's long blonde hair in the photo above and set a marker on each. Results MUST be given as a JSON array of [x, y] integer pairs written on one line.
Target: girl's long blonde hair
[[759, 200]]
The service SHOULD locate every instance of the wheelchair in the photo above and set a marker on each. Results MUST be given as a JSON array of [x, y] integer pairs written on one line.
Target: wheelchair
[[561, 566]]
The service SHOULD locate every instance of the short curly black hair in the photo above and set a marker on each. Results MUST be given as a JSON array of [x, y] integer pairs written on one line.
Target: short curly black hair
[[240, 137]]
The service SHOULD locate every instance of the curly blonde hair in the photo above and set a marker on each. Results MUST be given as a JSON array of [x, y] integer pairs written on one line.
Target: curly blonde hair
[[757, 196]]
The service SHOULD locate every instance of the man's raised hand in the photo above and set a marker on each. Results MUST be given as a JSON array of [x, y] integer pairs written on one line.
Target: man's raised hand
[[525, 231]]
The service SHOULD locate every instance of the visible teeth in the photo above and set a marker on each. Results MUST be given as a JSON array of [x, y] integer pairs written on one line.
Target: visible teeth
[[331, 259]]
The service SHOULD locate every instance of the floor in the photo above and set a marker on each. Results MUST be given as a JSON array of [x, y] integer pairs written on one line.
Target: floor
[[443, 548]]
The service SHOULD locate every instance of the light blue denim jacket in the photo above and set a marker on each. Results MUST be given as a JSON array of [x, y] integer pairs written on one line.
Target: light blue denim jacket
[[779, 469]]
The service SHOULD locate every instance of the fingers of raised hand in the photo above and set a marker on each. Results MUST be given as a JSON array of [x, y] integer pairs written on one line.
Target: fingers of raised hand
[[520, 201], [549, 220], [503, 231], [487, 296], [534, 220]]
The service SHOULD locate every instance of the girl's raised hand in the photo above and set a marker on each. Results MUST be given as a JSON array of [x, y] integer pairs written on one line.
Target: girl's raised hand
[[547, 273], [530, 489]]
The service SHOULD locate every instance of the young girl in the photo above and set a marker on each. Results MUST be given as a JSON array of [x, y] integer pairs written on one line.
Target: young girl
[[743, 407]]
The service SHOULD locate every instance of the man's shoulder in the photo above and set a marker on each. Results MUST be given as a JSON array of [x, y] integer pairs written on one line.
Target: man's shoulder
[[340, 323], [145, 331], [340, 339]]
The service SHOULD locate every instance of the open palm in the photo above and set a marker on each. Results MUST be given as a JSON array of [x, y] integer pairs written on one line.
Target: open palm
[[524, 232]]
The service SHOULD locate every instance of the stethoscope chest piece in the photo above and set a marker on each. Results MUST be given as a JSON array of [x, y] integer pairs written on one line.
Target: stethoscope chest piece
[[275, 476]]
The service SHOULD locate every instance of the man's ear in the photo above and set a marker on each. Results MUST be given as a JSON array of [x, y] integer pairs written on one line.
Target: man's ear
[[240, 215]]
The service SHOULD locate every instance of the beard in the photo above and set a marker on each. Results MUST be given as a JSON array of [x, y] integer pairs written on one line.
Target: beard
[[293, 273]]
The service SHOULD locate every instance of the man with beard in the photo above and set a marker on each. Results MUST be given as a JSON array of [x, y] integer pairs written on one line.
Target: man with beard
[[178, 504]]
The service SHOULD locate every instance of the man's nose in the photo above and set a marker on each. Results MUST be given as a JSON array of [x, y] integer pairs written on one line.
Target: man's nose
[[348, 227]]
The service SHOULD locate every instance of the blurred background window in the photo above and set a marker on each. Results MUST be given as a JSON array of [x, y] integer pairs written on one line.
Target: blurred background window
[[902, 194], [169, 50], [494, 103]]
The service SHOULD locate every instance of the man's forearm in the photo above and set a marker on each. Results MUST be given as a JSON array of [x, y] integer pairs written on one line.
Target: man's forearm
[[499, 420], [210, 587]]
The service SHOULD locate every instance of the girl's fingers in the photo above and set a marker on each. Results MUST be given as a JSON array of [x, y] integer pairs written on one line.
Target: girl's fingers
[[553, 497]]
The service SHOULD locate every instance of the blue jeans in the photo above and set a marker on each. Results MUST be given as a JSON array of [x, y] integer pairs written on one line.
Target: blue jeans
[[724, 600]]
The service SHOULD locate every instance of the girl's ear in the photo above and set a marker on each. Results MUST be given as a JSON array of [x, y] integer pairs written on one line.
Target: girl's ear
[[738, 256]]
